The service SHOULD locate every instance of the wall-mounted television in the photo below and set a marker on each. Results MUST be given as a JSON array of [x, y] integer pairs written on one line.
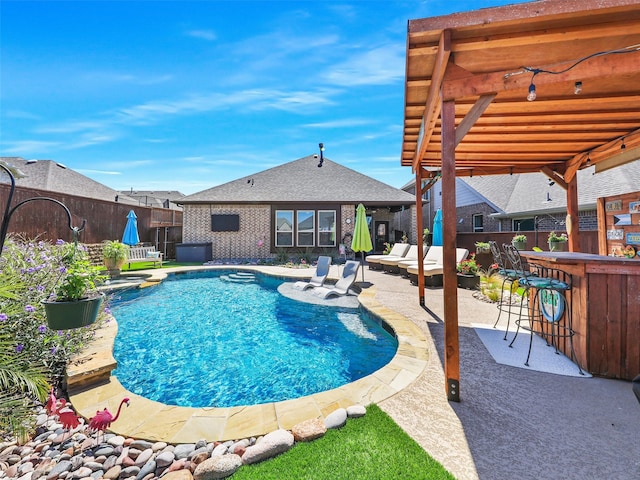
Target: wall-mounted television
[[225, 223]]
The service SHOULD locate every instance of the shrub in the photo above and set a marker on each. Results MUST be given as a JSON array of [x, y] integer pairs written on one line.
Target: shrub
[[35, 269], [468, 266]]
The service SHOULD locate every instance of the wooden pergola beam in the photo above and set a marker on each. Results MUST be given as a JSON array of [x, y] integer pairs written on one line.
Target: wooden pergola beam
[[432, 109], [496, 82]]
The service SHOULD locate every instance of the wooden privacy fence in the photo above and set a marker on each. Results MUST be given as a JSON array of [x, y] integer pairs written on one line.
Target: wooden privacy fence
[[105, 220]]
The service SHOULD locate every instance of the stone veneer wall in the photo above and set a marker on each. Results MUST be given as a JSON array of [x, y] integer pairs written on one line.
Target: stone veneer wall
[[252, 241]]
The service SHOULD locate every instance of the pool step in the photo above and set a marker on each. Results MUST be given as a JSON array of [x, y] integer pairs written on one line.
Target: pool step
[[239, 277]]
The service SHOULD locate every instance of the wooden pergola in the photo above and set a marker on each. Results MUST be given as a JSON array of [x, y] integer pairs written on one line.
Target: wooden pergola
[[550, 86]]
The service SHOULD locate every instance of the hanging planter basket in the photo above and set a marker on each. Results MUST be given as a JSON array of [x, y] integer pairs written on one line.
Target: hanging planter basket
[[69, 315], [519, 245], [558, 246]]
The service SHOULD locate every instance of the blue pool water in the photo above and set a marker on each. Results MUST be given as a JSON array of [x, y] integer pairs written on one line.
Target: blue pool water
[[198, 340]]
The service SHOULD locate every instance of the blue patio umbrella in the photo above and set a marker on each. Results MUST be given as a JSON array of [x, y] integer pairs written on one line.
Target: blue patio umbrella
[[437, 228], [361, 241], [130, 235]]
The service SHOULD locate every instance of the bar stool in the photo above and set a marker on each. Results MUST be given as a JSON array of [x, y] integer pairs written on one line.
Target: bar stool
[[547, 307], [509, 276]]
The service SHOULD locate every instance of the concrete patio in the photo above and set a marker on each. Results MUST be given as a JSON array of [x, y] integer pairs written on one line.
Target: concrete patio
[[511, 422]]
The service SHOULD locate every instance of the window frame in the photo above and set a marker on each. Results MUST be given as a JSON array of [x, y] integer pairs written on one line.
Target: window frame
[[476, 228], [277, 230], [332, 230], [299, 231]]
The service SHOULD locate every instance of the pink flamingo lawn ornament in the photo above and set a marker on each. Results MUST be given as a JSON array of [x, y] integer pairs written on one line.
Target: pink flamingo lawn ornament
[[103, 419], [54, 405]]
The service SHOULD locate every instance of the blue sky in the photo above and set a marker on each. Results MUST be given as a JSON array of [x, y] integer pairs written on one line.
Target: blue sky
[[161, 95]]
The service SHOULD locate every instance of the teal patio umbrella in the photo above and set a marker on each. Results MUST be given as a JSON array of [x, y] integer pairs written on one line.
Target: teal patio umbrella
[[361, 237], [437, 228], [130, 236]]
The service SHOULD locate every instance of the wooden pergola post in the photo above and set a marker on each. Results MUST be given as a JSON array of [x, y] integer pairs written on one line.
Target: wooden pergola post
[[420, 228], [449, 222]]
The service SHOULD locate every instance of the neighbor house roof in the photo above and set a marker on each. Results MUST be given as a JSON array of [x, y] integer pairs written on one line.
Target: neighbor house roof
[[155, 198], [54, 177], [302, 181], [531, 193]]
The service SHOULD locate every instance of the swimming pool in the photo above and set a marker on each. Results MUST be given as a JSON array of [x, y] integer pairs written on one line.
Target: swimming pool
[[200, 340]]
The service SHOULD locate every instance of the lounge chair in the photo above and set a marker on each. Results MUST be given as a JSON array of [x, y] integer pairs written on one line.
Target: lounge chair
[[318, 278], [432, 257], [399, 250], [433, 273], [343, 285], [390, 265]]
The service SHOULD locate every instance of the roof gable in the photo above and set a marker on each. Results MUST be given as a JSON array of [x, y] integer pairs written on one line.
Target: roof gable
[[302, 181], [532, 192], [50, 176]]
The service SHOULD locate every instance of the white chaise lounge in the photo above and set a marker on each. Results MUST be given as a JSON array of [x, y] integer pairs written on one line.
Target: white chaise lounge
[[433, 272], [390, 265], [433, 256], [399, 250]]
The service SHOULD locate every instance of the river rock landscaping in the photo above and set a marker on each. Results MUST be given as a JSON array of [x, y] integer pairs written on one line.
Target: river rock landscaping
[[55, 453]]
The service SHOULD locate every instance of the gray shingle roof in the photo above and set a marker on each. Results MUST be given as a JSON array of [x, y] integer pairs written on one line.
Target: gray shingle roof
[[155, 198], [302, 181], [531, 192], [54, 177]]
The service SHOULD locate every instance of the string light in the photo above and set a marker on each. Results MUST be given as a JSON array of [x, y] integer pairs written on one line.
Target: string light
[[577, 88], [578, 85], [623, 146]]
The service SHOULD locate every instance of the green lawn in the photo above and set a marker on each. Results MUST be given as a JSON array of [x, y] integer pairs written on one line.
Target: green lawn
[[373, 447], [151, 266]]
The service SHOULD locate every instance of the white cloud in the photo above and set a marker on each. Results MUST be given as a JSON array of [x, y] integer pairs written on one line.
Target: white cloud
[[381, 66], [30, 147], [208, 35]]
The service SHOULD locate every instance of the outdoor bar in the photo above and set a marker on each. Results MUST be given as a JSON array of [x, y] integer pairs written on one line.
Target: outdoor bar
[[605, 310]]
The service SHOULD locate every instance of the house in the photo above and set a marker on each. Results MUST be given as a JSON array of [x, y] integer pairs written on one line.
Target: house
[[528, 201], [52, 176], [104, 209], [294, 207]]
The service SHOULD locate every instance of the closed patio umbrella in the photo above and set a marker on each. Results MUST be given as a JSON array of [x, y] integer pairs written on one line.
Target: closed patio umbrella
[[437, 228], [130, 236], [361, 237]]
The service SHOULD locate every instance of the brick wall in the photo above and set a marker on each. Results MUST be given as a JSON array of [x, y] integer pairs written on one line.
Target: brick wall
[[252, 241], [467, 212]]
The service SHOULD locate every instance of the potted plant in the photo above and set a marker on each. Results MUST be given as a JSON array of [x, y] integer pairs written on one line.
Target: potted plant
[[76, 301], [114, 254], [425, 236], [482, 247], [557, 242], [519, 241], [468, 273]]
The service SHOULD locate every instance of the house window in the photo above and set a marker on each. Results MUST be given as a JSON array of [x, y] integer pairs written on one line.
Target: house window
[[284, 228], [326, 228], [523, 225], [306, 228], [478, 223]]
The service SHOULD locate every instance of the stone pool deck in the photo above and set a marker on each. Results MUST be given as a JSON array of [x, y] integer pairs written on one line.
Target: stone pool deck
[[511, 422]]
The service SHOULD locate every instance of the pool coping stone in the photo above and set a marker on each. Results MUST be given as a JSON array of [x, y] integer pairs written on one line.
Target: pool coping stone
[[91, 387]]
